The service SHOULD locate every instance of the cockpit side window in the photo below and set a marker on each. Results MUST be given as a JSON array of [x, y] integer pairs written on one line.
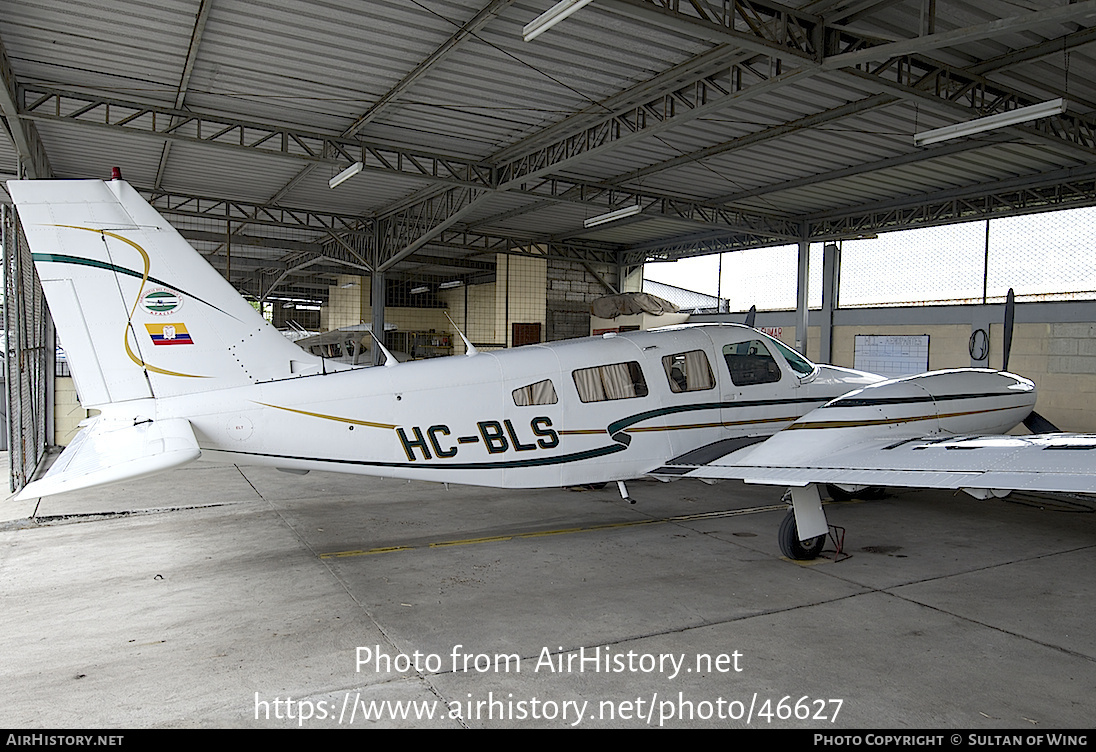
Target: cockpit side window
[[751, 363], [688, 372], [612, 382]]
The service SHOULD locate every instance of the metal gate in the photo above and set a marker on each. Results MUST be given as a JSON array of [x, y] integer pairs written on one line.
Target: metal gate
[[28, 354]]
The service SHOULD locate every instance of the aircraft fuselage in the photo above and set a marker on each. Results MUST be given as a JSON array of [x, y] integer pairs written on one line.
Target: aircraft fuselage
[[579, 411]]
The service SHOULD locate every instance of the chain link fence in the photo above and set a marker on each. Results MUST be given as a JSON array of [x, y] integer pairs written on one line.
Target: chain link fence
[[1041, 256], [762, 277], [1046, 256], [28, 354]]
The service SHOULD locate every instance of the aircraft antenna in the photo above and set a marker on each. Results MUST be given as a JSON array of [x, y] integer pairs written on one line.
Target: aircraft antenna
[[469, 348], [389, 359]]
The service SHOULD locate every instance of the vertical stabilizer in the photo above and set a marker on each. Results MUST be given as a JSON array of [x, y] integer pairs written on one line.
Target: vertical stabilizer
[[139, 312]]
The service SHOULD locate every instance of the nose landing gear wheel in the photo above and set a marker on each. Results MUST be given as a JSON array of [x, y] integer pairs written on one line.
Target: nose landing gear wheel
[[792, 547]]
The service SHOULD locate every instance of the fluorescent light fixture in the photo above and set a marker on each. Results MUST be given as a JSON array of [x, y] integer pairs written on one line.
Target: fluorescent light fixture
[[991, 122], [613, 216], [450, 285], [419, 290], [551, 17], [345, 175]]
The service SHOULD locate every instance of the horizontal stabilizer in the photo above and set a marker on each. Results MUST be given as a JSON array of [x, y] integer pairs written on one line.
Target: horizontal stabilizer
[[113, 450]]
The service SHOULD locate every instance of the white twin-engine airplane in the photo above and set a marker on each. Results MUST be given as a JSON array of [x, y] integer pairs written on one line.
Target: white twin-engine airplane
[[180, 366]]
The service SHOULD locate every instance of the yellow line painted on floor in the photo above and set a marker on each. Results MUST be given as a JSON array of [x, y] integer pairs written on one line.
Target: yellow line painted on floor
[[561, 531]]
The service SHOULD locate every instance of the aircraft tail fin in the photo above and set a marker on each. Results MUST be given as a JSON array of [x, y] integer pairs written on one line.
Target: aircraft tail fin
[[139, 312]]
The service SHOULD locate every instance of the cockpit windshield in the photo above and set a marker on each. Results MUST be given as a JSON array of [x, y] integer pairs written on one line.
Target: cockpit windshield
[[799, 364]]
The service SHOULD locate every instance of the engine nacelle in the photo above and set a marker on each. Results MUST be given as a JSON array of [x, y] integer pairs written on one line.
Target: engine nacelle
[[955, 402]]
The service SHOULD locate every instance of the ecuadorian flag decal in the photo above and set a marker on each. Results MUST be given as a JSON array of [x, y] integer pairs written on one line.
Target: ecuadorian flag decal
[[169, 334]]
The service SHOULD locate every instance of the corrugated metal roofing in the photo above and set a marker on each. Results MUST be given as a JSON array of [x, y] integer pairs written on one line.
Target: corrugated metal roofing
[[627, 101]]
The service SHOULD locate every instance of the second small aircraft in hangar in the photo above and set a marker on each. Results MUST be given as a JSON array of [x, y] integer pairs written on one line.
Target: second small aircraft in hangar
[[180, 366]]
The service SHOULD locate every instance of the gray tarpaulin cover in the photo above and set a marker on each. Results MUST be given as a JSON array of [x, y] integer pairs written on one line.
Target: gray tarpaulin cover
[[629, 303]]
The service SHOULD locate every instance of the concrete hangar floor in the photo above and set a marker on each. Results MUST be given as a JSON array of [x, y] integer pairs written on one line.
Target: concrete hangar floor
[[217, 596]]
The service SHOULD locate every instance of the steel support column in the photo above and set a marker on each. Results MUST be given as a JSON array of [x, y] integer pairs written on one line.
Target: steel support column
[[376, 304], [831, 274], [801, 298]]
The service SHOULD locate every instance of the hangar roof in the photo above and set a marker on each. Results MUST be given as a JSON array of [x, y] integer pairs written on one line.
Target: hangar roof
[[730, 124]]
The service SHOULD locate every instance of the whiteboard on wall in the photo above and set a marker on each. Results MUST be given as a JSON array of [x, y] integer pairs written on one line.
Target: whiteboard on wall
[[891, 355]]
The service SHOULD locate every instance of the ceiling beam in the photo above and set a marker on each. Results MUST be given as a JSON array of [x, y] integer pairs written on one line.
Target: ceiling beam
[[1002, 62], [409, 230], [184, 79], [389, 98], [1061, 189], [757, 26], [480, 243], [28, 145], [794, 39], [859, 107], [965, 96], [481, 19], [697, 68], [764, 46], [215, 208], [913, 157], [284, 244], [793, 34], [57, 105], [1081, 12], [740, 82]]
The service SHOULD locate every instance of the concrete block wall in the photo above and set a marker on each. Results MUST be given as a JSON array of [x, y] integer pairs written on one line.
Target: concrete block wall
[[67, 411], [554, 293], [346, 303], [947, 343], [1061, 359], [570, 290]]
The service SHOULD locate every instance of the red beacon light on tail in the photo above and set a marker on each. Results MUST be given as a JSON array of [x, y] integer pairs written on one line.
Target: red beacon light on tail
[[115, 173]]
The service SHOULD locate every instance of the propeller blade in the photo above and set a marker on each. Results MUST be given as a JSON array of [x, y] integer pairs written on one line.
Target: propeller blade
[[751, 316], [1010, 316], [1036, 423]]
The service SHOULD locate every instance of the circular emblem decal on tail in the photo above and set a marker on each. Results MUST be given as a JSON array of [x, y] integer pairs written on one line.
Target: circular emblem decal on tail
[[161, 301]]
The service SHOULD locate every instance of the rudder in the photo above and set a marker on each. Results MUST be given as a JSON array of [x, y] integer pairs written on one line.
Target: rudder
[[139, 312]]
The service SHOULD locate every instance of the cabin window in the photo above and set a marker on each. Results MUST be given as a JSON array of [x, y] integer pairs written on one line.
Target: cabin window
[[688, 372], [540, 393], [751, 363], [613, 382]]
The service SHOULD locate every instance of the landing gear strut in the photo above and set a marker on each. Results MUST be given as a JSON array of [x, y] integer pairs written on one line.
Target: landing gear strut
[[792, 547]]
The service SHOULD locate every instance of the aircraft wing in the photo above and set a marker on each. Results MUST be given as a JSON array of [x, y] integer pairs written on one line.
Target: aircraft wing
[[110, 450], [1042, 462]]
